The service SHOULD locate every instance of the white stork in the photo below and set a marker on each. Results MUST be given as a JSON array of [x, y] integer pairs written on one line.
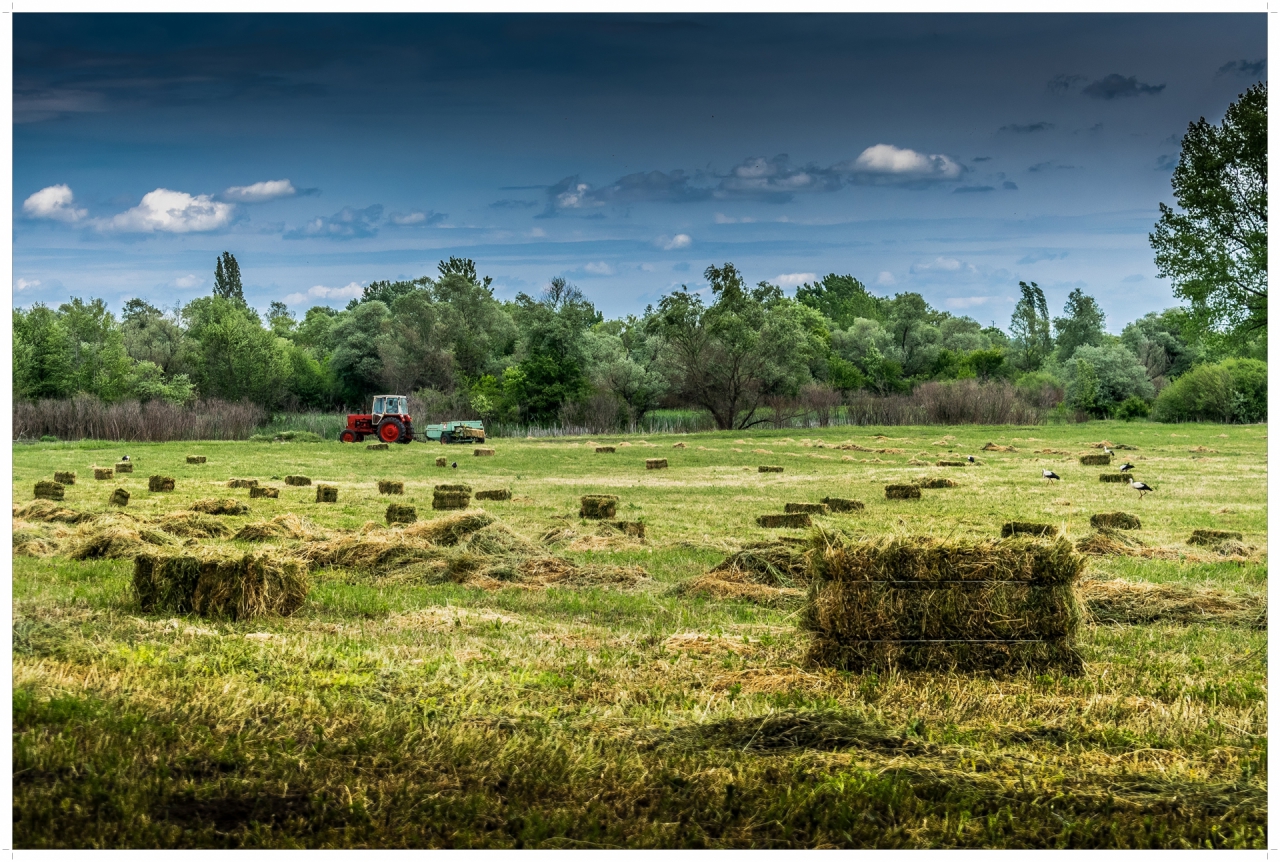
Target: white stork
[[124, 457], [1126, 467], [971, 461], [1107, 451], [1050, 475], [1141, 487]]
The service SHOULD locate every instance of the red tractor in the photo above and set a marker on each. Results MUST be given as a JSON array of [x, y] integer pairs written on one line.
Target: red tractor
[[390, 421]]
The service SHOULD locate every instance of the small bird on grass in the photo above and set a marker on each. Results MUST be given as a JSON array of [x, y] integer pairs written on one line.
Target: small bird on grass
[[124, 457], [454, 465], [1050, 475], [1107, 450], [1141, 487], [1126, 467], [971, 461]]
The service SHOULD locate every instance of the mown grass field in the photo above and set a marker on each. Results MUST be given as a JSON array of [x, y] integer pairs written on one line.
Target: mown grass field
[[391, 712]]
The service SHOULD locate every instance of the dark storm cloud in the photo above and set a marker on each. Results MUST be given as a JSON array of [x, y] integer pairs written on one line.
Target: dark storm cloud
[[1245, 68], [1065, 83], [1029, 128], [1119, 87], [346, 223]]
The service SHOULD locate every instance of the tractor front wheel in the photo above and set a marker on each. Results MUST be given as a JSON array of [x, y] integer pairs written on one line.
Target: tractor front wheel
[[390, 430], [347, 436]]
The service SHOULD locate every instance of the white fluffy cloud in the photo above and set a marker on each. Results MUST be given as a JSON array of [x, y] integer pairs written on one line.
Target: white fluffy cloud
[[22, 284], [263, 191], [944, 264], [186, 282], [886, 277], [890, 162], [54, 202], [794, 279], [671, 243], [173, 212], [599, 268], [351, 291]]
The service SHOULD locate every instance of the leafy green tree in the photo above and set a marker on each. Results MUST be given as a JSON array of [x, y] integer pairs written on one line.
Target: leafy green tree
[[226, 279], [1230, 391], [411, 347], [99, 363], [355, 361], [477, 331], [42, 355], [315, 332], [625, 365], [387, 292], [150, 335], [553, 364], [464, 267], [147, 382], [1099, 379], [841, 299], [1032, 341], [1214, 249], [281, 320], [229, 355], [870, 349], [1158, 340], [1081, 324]]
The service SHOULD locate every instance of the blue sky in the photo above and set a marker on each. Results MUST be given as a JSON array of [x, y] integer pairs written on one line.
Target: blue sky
[[951, 155]]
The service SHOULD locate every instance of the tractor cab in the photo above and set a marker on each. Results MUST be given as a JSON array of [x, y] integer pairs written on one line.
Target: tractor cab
[[390, 421], [395, 405]]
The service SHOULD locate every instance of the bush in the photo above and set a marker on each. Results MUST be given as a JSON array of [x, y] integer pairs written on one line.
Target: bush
[[1133, 408], [1231, 391], [1101, 378], [48, 438]]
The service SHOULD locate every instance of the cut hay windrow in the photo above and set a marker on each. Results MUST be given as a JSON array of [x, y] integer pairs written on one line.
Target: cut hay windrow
[[1213, 537], [996, 447], [1095, 460], [765, 468], [326, 493], [386, 486], [634, 529], [197, 459], [655, 463], [1115, 521], [442, 462], [779, 563], [936, 482], [1122, 602], [598, 506], [30, 540], [450, 529], [215, 506], [945, 462], [262, 491], [160, 483], [902, 492], [840, 504], [737, 586], [103, 473], [483, 453], [239, 587], [806, 509], [606, 450], [297, 480], [377, 447], [286, 526], [119, 497], [924, 603], [496, 494], [115, 539], [398, 514], [49, 491], [784, 521], [1113, 477], [243, 483], [43, 510], [680, 445], [124, 467], [65, 478], [193, 525], [1027, 528], [1105, 542]]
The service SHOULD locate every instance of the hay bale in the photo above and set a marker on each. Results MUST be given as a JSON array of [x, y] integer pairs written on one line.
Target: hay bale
[[1095, 460], [1213, 537], [498, 494], [599, 506], [634, 529], [377, 446], [457, 487], [263, 491], [214, 506], [64, 478], [1026, 528], [450, 529], [240, 587], [196, 459], [806, 509], [165, 583], [902, 492], [124, 467], [1115, 521], [935, 482], [482, 452], [655, 463], [119, 497], [450, 499], [386, 486], [781, 521], [1113, 477], [442, 462], [839, 504], [606, 450], [102, 473], [944, 462], [326, 494], [923, 603], [49, 491], [768, 469], [243, 483], [297, 480], [398, 514]]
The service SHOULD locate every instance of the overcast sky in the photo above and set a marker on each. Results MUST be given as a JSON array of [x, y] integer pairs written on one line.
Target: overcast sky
[[951, 155]]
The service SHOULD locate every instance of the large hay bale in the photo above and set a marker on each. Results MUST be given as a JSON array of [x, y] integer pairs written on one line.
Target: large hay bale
[[214, 506], [482, 452], [243, 483], [165, 583], [49, 491], [839, 504], [297, 480], [103, 473], [377, 446], [1113, 477], [498, 494], [326, 494], [655, 463], [806, 509], [1027, 528], [922, 603], [606, 450], [450, 499], [944, 462], [196, 459], [902, 492], [783, 521], [442, 462], [1095, 460], [386, 486], [398, 514], [119, 497], [1213, 537], [264, 491], [763, 468], [240, 587], [1115, 521], [634, 529], [64, 478], [599, 506], [450, 529], [124, 467]]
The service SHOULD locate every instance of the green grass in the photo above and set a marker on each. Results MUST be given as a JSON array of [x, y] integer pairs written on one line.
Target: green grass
[[406, 715]]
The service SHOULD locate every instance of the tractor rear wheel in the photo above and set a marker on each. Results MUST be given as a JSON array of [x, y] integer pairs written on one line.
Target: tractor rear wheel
[[390, 430], [347, 436]]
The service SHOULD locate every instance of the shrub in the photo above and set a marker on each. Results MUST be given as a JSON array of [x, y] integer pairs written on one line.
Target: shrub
[[48, 438], [1101, 378], [1231, 391], [1133, 408]]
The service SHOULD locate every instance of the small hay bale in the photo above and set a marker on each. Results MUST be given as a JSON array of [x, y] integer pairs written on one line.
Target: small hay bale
[[599, 506], [806, 509], [678, 446], [768, 469], [634, 529], [944, 462], [839, 504], [214, 506], [377, 446], [450, 499], [442, 462], [459, 487], [263, 491], [248, 587], [482, 452], [119, 497], [902, 492], [398, 514], [779, 521], [165, 584], [64, 478], [124, 467], [606, 450], [196, 459], [1115, 521], [297, 480], [385, 486], [498, 494], [1095, 460], [1113, 477], [326, 494], [655, 463], [103, 473], [1213, 537], [243, 483], [934, 482], [1026, 528], [49, 491]]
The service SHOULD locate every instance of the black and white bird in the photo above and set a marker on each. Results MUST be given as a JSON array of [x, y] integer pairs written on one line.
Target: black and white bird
[[1107, 451], [1141, 487], [1050, 475], [971, 461], [1126, 467], [124, 457]]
